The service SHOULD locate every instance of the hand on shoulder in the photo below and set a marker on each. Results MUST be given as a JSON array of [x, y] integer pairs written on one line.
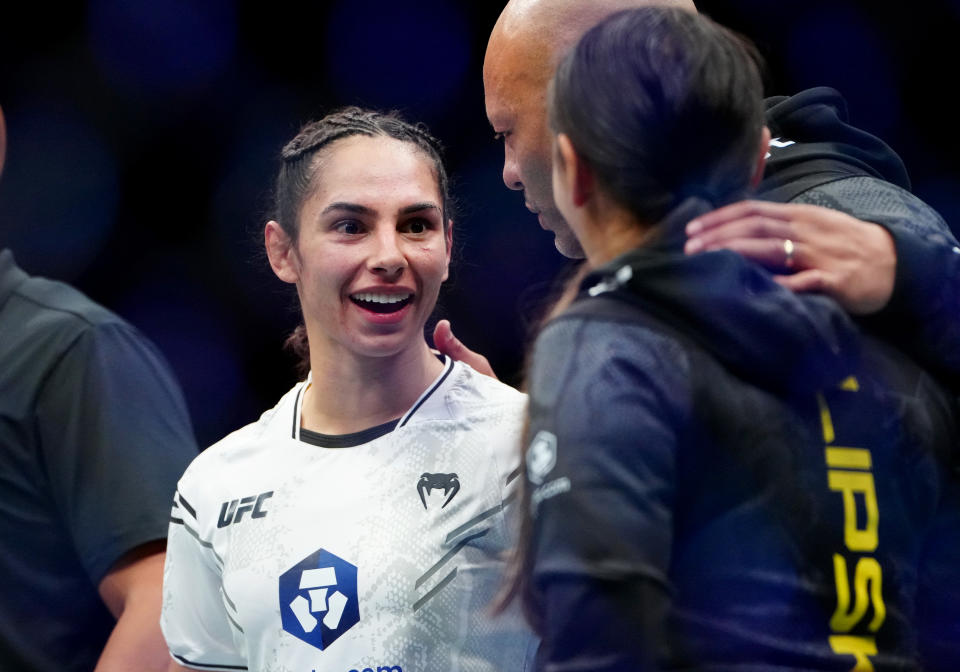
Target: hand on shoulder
[[809, 248]]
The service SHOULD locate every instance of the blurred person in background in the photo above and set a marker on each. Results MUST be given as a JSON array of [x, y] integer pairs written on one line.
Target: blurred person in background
[[721, 474], [361, 522], [94, 433], [832, 214]]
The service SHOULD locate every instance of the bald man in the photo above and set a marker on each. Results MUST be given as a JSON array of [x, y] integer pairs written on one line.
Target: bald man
[[875, 248], [94, 434]]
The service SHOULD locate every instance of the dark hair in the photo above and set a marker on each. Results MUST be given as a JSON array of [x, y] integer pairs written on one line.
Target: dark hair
[[298, 173], [663, 104]]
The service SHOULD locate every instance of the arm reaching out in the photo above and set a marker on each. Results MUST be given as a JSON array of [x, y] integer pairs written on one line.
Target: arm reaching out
[[450, 345], [832, 253]]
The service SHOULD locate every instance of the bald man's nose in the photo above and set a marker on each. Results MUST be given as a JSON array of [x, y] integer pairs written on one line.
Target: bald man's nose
[[511, 172]]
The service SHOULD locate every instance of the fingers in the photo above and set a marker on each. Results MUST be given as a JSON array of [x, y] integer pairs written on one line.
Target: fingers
[[816, 281], [741, 210], [829, 251], [450, 345], [751, 227], [771, 253], [813, 280], [771, 234], [442, 336]]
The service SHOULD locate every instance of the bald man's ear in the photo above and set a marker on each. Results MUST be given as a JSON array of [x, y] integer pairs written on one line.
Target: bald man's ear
[[761, 162], [577, 174]]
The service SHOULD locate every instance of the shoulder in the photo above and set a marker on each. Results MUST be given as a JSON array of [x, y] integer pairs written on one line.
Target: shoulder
[[600, 356], [58, 305], [239, 449], [45, 318], [65, 350], [601, 334], [472, 387], [53, 329], [487, 413], [464, 395], [875, 200], [611, 396]]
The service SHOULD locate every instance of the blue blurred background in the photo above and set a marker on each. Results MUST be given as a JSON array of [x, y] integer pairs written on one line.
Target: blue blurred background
[[143, 137]]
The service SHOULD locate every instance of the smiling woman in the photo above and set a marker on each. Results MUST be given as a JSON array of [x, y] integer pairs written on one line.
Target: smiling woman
[[368, 261], [377, 488]]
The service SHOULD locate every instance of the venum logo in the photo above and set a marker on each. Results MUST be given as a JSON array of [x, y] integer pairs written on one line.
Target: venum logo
[[230, 512], [318, 599], [428, 482]]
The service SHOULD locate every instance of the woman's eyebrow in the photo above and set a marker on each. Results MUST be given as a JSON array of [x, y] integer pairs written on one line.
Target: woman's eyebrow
[[364, 210], [349, 207], [417, 207]]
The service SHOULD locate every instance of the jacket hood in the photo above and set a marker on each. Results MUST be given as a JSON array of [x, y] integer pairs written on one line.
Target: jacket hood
[[814, 144], [732, 308]]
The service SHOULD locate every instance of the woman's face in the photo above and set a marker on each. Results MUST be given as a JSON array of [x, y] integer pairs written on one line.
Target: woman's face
[[372, 251]]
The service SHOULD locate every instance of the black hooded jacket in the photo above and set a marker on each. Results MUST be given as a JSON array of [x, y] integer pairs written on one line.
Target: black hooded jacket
[[818, 158], [706, 449]]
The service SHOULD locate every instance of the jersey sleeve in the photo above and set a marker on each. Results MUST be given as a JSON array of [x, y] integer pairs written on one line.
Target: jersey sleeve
[[923, 315], [605, 402], [195, 620], [115, 436]]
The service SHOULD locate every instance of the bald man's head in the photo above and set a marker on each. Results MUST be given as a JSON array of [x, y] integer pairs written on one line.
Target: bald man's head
[[526, 44]]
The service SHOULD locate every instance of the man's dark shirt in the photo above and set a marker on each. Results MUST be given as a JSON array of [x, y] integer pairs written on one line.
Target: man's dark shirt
[[94, 434]]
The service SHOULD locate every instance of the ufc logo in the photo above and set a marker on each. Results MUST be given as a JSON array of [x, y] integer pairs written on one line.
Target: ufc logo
[[232, 511]]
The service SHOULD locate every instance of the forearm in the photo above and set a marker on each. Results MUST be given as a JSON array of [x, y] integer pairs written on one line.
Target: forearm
[[923, 315], [133, 593], [136, 642]]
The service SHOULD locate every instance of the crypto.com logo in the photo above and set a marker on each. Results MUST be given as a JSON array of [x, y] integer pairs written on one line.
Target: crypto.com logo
[[318, 599]]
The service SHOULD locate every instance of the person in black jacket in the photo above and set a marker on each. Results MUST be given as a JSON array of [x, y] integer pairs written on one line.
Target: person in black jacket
[[721, 474], [875, 247]]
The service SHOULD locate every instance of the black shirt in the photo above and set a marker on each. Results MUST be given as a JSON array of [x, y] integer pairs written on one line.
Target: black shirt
[[94, 434]]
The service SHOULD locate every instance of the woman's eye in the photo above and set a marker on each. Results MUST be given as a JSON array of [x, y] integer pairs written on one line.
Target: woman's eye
[[350, 227], [416, 226]]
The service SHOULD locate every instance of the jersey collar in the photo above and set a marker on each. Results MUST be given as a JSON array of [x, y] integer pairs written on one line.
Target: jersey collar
[[421, 407]]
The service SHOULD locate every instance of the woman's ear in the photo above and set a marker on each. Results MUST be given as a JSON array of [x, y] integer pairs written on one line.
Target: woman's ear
[[281, 253], [576, 173], [761, 162]]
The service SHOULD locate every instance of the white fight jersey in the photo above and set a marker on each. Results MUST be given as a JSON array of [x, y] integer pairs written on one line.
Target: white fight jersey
[[380, 556]]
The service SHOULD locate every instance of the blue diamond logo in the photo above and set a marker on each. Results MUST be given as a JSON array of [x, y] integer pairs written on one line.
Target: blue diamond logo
[[318, 599]]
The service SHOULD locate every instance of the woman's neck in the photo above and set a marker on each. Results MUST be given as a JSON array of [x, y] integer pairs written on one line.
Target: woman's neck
[[352, 393], [609, 232]]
